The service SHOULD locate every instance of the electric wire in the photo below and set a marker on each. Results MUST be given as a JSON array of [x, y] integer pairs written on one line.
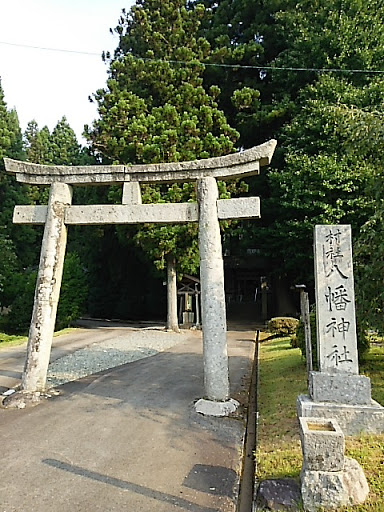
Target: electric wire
[[46, 48], [212, 64]]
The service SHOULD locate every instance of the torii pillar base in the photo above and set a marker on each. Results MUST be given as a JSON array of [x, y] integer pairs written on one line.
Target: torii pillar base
[[211, 408]]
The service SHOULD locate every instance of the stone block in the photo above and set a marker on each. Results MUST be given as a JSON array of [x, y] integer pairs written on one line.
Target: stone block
[[278, 494], [333, 489], [340, 388], [212, 408], [322, 444], [352, 419], [239, 208]]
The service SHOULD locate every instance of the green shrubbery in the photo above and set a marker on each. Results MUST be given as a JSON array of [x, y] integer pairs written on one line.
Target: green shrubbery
[[18, 302], [73, 293], [298, 338], [16, 318], [283, 325]]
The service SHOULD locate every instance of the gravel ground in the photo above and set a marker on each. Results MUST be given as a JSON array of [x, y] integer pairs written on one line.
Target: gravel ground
[[135, 344]]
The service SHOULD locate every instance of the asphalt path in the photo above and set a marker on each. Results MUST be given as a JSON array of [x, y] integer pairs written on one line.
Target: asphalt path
[[12, 359], [126, 439]]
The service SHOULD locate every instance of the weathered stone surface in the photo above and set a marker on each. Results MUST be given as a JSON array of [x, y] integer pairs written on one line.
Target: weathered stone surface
[[133, 213], [238, 208], [335, 300], [243, 163], [207, 212], [352, 419], [210, 408], [340, 388], [212, 294], [331, 490], [172, 321], [30, 214], [22, 400], [165, 213], [131, 193], [279, 494], [47, 290], [322, 444]]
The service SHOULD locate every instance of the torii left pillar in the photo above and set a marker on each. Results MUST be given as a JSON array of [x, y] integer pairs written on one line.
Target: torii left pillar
[[47, 290]]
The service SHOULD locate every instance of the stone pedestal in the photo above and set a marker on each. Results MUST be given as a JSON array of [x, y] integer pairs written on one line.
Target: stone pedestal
[[323, 490], [340, 388], [211, 408], [328, 479], [345, 397], [352, 419], [337, 390]]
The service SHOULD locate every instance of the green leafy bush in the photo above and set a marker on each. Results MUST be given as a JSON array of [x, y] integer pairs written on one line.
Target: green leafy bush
[[298, 339], [73, 293], [283, 325], [21, 290]]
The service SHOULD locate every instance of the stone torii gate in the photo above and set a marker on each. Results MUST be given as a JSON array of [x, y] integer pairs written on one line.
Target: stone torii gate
[[208, 211]]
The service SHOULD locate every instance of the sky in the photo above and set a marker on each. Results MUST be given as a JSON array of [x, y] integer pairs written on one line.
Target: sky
[[45, 85]]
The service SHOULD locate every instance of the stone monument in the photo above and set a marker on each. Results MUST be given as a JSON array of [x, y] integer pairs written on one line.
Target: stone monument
[[208, 211], [337, 390]]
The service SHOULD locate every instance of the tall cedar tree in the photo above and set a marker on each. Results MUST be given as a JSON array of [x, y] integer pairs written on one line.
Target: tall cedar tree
[[321, 172], [364, 125], [155, 109]]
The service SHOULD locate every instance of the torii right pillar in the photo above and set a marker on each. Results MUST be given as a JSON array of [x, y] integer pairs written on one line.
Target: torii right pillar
[[216, 378]]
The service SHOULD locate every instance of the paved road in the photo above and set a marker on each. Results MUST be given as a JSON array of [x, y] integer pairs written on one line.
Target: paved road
[[127, 439]]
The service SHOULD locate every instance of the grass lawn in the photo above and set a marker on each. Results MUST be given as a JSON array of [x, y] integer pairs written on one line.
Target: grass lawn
[[9, 340], [282, 378]]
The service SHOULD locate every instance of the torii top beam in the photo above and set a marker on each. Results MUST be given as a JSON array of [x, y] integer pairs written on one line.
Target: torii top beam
[[245, 163]]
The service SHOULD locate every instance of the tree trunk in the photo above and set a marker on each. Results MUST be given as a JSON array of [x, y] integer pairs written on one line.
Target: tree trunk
[[172, 323]]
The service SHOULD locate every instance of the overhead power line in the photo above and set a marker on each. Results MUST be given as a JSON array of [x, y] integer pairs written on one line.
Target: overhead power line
[[212, 64], [49, 49], [276, 68]]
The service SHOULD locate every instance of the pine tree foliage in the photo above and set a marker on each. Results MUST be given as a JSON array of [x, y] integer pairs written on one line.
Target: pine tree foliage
[[19, 245], [363, 125], [10, 194], [320, 178], [155, 109], [328, 166], [57, 148]]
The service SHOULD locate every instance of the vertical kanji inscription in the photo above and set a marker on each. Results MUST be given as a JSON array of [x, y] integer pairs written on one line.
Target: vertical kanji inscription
[[335, 300]]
